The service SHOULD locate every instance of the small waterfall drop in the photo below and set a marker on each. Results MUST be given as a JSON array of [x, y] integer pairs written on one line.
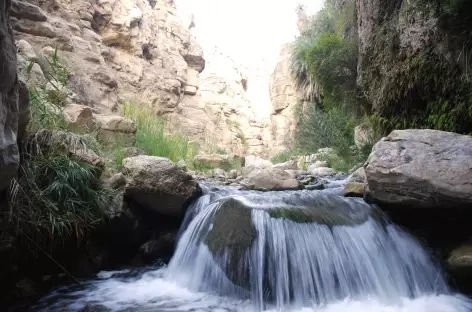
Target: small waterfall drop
[[308, 248], [306, 251]]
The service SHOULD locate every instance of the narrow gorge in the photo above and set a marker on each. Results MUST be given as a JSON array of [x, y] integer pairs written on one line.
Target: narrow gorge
[[164, 155]]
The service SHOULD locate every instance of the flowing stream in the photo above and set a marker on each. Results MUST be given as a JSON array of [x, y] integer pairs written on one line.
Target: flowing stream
[[277, 251]]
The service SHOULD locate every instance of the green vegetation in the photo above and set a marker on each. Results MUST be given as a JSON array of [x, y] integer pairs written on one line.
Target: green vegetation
[[324, 66], [429, 87], [56, 197], [152, 138]]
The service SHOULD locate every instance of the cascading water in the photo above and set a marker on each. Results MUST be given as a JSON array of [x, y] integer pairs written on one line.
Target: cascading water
[[280, 251]]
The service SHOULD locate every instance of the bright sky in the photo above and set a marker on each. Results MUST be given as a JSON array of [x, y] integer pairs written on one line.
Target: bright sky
[[249, 31]]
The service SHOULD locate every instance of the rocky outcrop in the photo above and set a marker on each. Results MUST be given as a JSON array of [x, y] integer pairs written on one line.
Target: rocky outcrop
[[141, 51], [157, 184], [114, 129], [421, 169], [284, 99], [14, 101], [220, 116]]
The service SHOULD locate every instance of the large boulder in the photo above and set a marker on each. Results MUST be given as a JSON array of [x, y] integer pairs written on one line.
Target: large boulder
[[271, 179], [14, 101], [157, 184], [212, 161], [421, 168]]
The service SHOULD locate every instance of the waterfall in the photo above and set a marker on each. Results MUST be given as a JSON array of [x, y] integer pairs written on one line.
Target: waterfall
[[341, 247], [304, 251]]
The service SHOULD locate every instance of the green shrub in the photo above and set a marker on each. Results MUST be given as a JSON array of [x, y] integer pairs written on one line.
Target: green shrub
[[318, 129], [56, 198], [151, 136]]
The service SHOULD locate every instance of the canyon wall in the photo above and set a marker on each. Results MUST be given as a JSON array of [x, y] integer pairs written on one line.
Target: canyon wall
[[140, 51]]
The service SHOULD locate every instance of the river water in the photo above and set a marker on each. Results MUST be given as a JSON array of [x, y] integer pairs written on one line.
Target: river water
[[280, 251]]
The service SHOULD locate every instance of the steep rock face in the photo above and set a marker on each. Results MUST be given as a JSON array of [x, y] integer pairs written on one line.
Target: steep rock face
[[14, 101], [284, 98], [220, 116], [128, 50], [141, 51], [412, 63]]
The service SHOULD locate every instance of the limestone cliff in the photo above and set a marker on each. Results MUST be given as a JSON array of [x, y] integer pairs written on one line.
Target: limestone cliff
[[221, 116], [140, 51], [14, 102], [284, 98]]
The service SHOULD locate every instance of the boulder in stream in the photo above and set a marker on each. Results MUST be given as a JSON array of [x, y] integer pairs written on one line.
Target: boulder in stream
[[157, 184], [421, 168], [271, 179]]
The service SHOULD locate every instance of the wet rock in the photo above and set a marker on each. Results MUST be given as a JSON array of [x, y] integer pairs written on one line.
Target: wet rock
[[354, 189], [271, 179], [234, 230], [157, 184], [313, 187], [459, 265], [161, 246]]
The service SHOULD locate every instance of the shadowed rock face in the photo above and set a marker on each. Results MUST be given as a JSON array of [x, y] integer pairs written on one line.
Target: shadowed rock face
[[13, 101]]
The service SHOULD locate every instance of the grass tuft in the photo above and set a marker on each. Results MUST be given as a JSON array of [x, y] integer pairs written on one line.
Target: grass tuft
[[152, 138]]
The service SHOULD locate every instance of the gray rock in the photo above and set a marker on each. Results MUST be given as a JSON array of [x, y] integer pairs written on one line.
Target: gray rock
[[157, 184], [23, 9], [421, 168], [322, 172], [271, 179]]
